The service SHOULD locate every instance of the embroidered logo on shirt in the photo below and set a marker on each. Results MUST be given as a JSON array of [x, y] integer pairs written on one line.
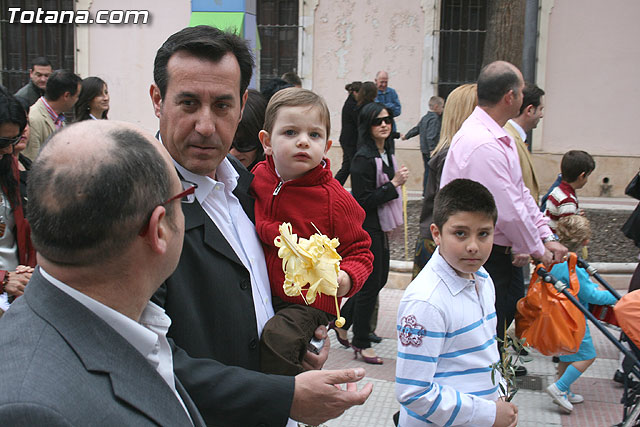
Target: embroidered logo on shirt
[[411, 332]]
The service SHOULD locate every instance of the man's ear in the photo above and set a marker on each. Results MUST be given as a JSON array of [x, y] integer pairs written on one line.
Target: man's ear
[[156, 99], [435, 234], [157, 231], [265, 139], [329, 143], [530, 109], [244, 103]]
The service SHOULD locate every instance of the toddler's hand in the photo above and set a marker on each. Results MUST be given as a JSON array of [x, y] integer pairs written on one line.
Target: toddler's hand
[[506, 414], [344, 283]]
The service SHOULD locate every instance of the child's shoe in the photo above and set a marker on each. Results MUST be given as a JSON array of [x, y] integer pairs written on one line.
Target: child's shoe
[[560, 398], [575, 398]]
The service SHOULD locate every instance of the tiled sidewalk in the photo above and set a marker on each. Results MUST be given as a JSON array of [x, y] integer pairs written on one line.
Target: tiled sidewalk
[[602, 395]]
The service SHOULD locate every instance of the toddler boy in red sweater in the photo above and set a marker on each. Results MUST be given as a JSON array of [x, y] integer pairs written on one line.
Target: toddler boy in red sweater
[[294, 184]]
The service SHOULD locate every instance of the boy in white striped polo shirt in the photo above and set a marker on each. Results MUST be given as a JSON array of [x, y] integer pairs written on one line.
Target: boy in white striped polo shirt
[[447, 320]]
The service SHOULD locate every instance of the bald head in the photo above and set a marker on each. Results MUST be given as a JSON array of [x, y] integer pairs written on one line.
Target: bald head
[[92, 188], [382, 80], [496, 80]]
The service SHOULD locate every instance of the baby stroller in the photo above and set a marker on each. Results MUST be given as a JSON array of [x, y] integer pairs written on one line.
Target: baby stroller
[[631, 364]]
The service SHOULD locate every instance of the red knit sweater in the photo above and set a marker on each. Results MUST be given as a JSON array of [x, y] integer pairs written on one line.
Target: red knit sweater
[[316, 197]]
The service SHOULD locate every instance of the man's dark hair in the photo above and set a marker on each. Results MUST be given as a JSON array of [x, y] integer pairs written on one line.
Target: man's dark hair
[[11, 111], [531, 95], [204, 42], [494, 82], [271, 86], [463, 195], [292, 78], [59, 82], [41, 61], [91, 212], [574, 163]]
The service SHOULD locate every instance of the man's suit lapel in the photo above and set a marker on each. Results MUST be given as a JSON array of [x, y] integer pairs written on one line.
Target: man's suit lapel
[[195, 216], [191, 407], [102, 350]]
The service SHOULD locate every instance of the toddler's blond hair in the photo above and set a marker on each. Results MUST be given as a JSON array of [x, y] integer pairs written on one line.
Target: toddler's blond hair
[[573, 231]]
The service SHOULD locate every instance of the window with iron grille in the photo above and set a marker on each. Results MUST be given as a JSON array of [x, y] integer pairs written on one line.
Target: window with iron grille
[[462, 33], [22, 43], [278, 28]]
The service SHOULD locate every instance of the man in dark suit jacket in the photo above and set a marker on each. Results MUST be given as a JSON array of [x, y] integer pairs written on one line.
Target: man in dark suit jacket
[[83, 345], [219, 297]]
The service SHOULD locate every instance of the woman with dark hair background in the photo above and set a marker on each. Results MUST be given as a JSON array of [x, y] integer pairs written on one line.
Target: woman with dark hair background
[[246, 146], [93, 101], [17, 256], [375, 179]]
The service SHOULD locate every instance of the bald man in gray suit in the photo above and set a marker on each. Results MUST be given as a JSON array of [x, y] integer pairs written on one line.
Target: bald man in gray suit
[[83, 345]]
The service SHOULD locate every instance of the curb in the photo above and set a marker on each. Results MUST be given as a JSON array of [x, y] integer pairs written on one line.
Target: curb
[[602, 267], [617, 274]]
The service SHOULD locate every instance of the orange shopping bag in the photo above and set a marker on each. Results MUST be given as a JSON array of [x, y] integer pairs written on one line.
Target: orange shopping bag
[[547, 320]]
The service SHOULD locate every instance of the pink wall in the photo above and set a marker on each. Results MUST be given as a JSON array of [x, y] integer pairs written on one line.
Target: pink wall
[[591, 78], [123, 55], [354, 39]]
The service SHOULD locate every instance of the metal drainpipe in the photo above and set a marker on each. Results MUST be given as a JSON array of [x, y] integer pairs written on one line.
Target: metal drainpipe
[[529, 46]]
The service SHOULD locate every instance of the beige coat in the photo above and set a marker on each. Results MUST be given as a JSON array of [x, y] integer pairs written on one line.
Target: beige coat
[[526, 163], [41, 126]]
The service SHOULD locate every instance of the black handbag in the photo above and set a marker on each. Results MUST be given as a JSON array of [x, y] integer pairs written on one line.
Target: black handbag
[[631, 228], [633, 188]]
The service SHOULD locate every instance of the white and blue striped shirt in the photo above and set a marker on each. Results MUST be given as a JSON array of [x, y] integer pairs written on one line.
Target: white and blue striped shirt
[[446, 346]]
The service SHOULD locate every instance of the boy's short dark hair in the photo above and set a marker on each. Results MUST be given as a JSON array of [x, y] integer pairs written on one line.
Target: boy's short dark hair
[[574, 163], [463, 195]]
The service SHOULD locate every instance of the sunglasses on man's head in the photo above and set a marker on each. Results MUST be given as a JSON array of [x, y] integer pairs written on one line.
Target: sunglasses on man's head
[[5, 142], [378, 120]]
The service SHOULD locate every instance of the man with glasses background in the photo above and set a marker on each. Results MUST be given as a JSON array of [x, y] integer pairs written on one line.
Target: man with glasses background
[[84, 345], [219, 296]]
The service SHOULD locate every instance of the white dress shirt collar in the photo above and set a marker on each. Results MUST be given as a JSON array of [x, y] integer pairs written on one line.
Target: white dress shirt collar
[[518, 128]]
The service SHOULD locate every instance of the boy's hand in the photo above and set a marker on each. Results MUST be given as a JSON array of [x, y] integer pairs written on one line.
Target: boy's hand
[[344, 283], [506, 414]]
